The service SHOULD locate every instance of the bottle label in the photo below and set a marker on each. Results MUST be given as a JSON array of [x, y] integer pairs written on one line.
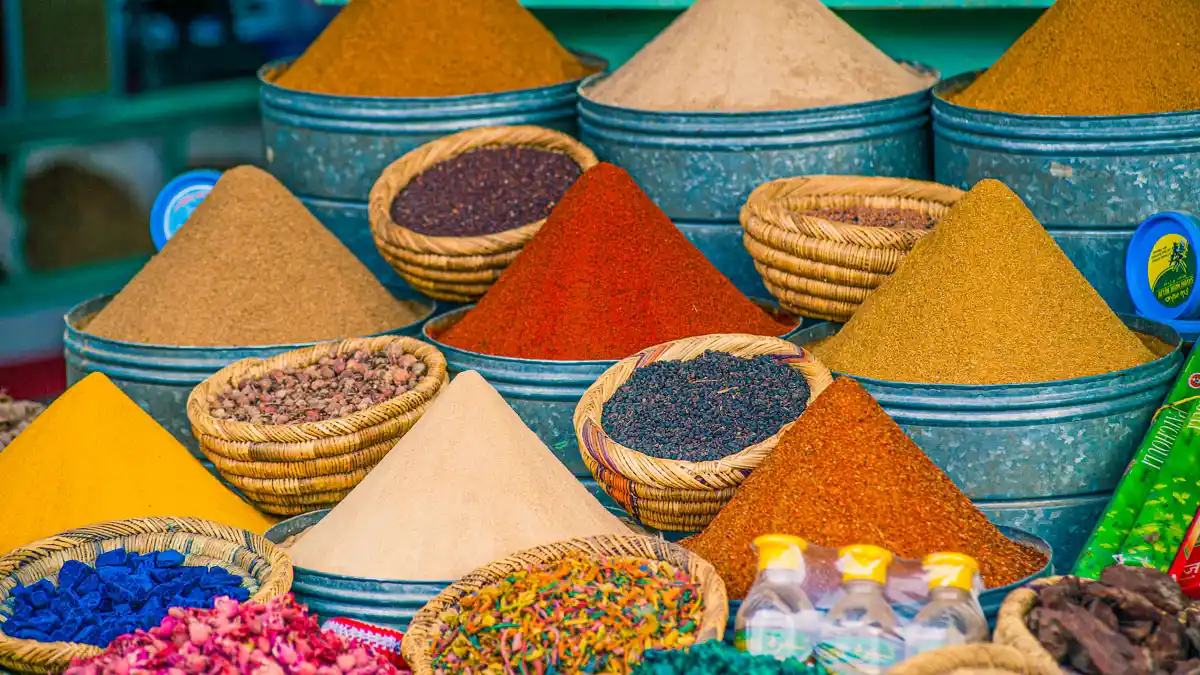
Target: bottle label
[[920, 639], [781, 643], [859, 654]]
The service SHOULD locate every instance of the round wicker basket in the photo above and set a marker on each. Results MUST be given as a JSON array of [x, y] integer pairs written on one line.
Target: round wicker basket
[[267, 571], [824, 269], [425, 629], [669, 494], [457, 269], [295, 468], [1012, 631], [974, 659]]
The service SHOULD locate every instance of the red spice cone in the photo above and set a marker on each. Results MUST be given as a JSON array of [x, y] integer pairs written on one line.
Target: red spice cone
[[607, 275]]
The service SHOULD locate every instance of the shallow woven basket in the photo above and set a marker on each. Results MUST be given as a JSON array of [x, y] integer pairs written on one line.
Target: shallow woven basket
[[267, 571], [457, 269], [975, 659], [289, 469], [425, 629], [670, 494], [1012, 631], [823, 269]]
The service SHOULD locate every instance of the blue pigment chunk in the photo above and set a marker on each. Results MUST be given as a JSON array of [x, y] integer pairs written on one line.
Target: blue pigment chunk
[[124, 592]]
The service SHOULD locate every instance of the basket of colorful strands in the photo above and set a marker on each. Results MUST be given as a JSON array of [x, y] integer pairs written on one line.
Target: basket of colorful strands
[[823, 243], [297, 431], [582, 601], [461, 268], [675, 494], [175, 544], [973, 659]]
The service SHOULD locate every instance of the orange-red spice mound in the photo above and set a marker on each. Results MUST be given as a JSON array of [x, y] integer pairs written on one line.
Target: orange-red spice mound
[[607, 275], [844, 474]]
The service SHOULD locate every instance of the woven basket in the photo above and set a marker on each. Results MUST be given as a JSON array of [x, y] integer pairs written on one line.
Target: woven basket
[[457, 269], [265, 567], [823, 269], [670, 494], [425, 629], [291, 469], [1012, 631], [974, 659]]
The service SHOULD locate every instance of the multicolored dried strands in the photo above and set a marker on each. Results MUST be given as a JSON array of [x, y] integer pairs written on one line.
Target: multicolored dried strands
[[576, 615]]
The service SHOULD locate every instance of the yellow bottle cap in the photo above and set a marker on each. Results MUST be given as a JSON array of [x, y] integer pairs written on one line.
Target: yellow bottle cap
[[864, 562], [780, 551], [951, 570]]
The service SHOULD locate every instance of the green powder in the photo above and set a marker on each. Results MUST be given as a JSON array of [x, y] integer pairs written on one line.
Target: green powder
[[987, 297], [1099, 57]]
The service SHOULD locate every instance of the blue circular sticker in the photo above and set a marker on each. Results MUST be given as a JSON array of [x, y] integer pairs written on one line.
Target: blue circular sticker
[[175, 204]]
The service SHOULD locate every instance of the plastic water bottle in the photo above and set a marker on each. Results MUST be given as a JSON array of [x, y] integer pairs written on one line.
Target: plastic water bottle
[[953, 615], [860, 635], [777, 619]]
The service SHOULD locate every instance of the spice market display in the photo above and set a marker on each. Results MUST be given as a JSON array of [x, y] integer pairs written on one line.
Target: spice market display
[[987, 390]]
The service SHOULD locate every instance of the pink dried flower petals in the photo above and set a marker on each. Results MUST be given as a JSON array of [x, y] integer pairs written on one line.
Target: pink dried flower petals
[[279, 638]]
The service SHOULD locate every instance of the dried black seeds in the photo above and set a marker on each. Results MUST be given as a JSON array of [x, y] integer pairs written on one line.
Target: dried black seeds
[[706, 408], [485, 191]]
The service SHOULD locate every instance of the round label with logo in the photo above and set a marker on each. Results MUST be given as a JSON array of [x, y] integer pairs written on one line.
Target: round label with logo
[[1171, 270], [1194, 380], [1161, 267], [177, 201]]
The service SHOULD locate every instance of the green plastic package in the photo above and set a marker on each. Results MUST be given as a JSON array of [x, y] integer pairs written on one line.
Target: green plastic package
[[1125, 507]]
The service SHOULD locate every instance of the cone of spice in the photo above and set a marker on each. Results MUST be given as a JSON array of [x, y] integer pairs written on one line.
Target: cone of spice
[[753, 55], [418, 48], [251, 267], [845, 474], [607, 275], [1098, 57], [1008, 305]]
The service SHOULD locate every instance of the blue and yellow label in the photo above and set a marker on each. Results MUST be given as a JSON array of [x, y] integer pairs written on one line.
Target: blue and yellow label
[[1171, 270], [859, 654]]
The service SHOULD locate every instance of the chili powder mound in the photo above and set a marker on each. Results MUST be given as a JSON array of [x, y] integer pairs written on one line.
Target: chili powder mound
[[607, 275], [844, 474], [1098, 57], [426, 48], [987, 297]]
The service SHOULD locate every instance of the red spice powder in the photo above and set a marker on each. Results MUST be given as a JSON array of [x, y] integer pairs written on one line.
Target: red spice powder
[[607, 275], [844, 474]]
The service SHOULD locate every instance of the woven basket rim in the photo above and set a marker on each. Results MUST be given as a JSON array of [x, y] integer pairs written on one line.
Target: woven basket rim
[[234, 430], [775, 204], [276, 581], [590, 408], [1012, 631], [400, 173], [424, 626]]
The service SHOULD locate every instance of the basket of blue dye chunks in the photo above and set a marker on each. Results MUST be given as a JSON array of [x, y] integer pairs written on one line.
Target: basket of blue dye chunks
[[68, 596], [672, 431]]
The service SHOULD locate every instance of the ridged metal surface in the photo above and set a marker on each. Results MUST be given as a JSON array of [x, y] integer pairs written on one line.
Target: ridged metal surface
[[335, 147], [543, 393], [1030, 441], [1064, 522], [701, 167], [1089, 180], [159, 378]]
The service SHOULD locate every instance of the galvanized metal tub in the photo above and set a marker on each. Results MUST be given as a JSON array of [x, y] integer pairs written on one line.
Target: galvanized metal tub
[[335, 147], [1036, 440], [700, 167], [1064, 522], [990, 599], [381, 602], [543, 393], [159, 378], [1090, 180]]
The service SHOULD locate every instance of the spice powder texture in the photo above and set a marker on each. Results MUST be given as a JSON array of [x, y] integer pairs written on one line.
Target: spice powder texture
[[103, 458], [251, 267], [748, 55], [607, 275], [987, 297], [846, 474], [1098, 57], [431, 48]]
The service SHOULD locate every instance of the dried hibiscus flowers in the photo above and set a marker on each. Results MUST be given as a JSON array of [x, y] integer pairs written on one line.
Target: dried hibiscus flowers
[[1133, 621]]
